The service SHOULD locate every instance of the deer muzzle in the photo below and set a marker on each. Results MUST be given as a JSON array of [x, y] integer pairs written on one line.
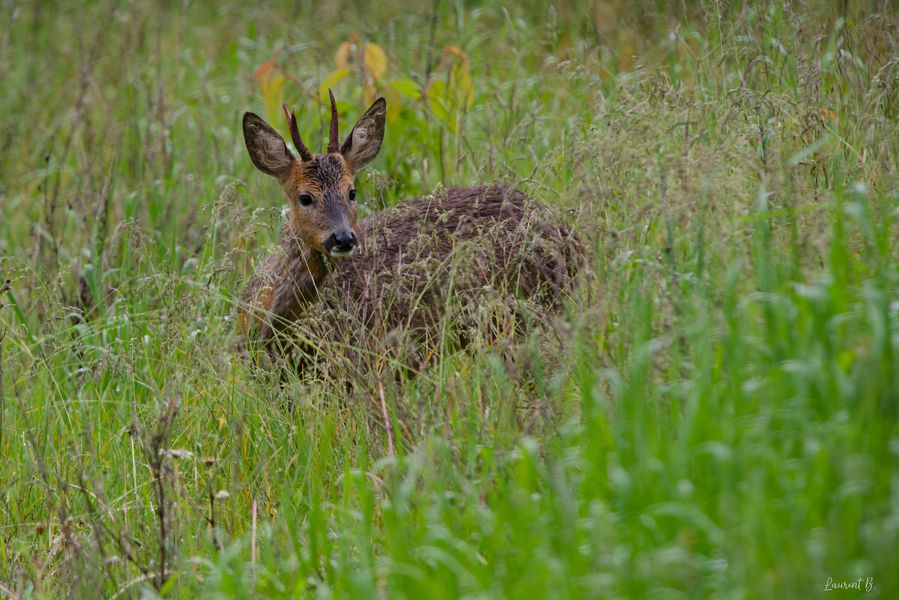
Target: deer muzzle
[[341, 243]]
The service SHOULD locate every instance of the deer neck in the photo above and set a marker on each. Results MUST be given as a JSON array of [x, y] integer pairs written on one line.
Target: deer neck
[[284, 288], [307, 269]]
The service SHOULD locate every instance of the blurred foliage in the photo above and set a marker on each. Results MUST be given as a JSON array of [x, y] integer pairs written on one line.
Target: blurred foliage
[[714, 416]]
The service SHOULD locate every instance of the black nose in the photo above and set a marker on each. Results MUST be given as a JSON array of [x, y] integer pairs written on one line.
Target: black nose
[[341, 242]]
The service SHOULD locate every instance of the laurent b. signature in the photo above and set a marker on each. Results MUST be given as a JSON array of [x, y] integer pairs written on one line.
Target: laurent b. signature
[[866, 584]]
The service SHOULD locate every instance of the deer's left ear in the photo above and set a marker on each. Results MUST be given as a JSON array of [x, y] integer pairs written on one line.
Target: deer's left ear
[[364, 142], [267, 149]]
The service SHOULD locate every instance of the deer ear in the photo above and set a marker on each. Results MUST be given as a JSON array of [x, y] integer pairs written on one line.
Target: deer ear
[[267, 149], [364, 142]]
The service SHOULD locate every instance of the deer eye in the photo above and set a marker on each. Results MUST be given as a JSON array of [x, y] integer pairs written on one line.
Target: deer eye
[[352, 195], [306, 200]]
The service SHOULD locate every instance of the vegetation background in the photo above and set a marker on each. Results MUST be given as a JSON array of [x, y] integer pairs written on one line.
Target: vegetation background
[[715, 416]]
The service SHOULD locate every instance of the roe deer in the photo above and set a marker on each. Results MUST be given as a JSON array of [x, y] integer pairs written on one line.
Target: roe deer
[[394, 273]]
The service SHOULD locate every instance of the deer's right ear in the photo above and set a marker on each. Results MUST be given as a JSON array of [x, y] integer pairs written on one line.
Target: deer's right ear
[[364, 142], [267, 149]]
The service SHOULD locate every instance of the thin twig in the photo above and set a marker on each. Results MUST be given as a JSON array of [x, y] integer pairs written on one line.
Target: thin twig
[[3, 288], [429, 56], [384, 414], [51, 201], [253, 538], [136, 580], [155, 456], [9, 592]]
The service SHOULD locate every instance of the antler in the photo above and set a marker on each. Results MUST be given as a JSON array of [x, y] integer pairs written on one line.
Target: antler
[[333, 143], [295, 134]]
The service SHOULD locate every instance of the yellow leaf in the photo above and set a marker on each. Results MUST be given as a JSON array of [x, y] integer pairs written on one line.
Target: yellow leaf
[[375, 60], [457, 52], [273, 96], [342, 58], [393, 103], [453, 93], [461, 84], [368, 95], [330, 82]]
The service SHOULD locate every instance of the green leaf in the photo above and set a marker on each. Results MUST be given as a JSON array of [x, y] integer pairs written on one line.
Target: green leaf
[[407, 88], [437, 102]]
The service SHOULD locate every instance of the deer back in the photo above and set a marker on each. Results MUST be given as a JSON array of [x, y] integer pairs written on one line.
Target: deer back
[[430, 265]]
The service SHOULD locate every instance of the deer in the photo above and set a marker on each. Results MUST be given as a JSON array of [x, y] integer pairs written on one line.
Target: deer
[[396, 274]]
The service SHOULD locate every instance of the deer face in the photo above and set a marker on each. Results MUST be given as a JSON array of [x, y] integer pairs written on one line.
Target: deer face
[[319, 187]]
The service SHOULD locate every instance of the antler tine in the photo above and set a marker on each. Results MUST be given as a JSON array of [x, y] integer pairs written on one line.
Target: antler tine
[[295, 134], [333, 143]]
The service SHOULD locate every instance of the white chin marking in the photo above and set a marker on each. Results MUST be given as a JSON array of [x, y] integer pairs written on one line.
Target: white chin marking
[[340, 254]]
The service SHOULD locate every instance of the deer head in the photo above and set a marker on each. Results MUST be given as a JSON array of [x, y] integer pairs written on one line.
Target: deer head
[[319, 187]]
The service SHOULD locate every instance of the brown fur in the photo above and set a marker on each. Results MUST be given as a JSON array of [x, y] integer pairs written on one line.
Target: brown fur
[[464, 245], [420, 270]]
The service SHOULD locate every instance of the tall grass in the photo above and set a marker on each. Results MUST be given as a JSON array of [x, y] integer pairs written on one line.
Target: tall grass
[[716, 414]]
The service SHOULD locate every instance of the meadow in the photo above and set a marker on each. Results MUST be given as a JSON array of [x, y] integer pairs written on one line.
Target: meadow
[[713, 413]]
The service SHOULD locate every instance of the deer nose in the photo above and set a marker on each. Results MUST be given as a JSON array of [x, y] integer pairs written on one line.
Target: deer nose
[[341, 243]]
